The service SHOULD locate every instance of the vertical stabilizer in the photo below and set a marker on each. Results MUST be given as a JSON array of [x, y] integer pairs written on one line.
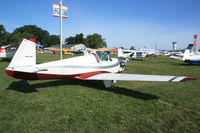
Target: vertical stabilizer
[[120, 53], [186, 54], [25, 55]]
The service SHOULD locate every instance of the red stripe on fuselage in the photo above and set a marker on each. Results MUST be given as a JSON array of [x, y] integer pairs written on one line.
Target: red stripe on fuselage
[[36, 76]]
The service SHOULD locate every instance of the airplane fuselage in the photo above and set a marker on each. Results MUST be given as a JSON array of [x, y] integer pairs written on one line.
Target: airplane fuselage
[[6, 54], [78, 68], [97, 65], [193, 58]]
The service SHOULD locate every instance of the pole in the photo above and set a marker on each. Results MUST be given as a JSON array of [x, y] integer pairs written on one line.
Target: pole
[[155, 46], [61, 29]]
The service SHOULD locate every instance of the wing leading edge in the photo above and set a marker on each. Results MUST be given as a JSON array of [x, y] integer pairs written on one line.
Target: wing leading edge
[[139, 77], [175, 57]]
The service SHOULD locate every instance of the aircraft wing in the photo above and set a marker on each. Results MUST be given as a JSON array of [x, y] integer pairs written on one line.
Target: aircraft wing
[[176, 57], [139, 77]]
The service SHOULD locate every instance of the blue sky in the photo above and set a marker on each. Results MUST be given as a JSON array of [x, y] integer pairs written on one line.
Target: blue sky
[[138, 23]]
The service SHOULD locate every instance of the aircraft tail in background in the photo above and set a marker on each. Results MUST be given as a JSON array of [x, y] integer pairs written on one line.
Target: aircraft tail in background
[[186, 54], [120, 52], [124, 53]]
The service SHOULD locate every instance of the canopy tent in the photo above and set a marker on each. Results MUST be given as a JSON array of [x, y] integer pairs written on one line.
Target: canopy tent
[[39, 46]]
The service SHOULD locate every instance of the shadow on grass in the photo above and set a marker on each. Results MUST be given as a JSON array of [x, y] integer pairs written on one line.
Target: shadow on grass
[[24, 87], [186, 64], [131, 93], [5, 60], [119, 90]]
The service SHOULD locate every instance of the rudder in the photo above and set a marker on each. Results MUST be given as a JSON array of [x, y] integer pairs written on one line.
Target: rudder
[[25, 55]]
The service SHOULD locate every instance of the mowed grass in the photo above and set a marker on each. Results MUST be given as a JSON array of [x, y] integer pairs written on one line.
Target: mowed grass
[[58, 106]]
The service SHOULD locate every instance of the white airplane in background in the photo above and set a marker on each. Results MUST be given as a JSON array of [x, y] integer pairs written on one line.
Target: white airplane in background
[[131, 53], [178, 54], [188, 56], [7, 51], [95, 66], [150, 52]]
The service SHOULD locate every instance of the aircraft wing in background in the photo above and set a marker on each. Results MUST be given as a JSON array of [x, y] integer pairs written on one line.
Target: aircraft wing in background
[[176, 57]]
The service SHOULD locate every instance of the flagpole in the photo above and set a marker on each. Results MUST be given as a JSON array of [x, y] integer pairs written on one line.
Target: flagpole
[[61, 29]]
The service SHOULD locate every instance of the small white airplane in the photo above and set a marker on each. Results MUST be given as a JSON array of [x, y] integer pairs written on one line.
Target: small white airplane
[[7, 51], [95, 66], [180, 54], [151, 52], [131, 53], [189, 56]]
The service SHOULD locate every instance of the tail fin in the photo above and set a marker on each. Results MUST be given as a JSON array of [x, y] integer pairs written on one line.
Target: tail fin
[[25, 55], [120, 53], [190, 46], [186, 54]]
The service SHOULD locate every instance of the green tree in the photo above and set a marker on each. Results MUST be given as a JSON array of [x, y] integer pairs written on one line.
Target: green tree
[[132, 48], [78, 39], [4, 36], [32, 31], [17, 37], [4, 40], [95, 41], [70, 40], [92, 41], [54, 40], [2, 30]]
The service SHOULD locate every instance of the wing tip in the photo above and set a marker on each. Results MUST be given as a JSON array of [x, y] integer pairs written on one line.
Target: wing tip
[[188, 79]]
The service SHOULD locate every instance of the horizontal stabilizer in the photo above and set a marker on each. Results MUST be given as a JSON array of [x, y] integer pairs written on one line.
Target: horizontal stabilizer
[[26, 69], [139, 77]]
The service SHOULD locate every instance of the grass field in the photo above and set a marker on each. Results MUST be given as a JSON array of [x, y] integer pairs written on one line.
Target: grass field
[[58, 106]]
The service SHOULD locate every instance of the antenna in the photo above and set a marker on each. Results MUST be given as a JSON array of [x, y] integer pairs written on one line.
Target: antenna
[[156, 46], [61, 30]]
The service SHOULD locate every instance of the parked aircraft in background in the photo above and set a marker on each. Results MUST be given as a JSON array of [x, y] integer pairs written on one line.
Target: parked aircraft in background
[[178, 54], [131, 53], [7, 51], [150, 52], [78, 52], [95, 66], [173, 53], [189, 56]]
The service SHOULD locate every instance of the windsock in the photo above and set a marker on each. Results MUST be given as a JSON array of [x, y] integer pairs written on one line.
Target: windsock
[[195, 41]]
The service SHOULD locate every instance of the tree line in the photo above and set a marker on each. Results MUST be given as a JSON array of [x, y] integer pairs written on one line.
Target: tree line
[[92, 41], [32, 31]]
